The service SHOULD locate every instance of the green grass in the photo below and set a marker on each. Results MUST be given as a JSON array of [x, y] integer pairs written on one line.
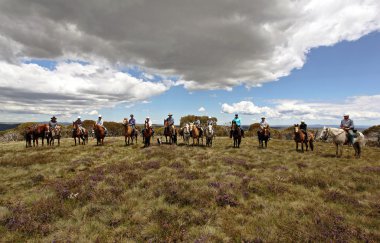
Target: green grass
[[169, 193]]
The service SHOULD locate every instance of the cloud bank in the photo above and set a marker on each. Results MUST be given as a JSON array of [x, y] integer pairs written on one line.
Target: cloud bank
[[359, 107], [206, 44]]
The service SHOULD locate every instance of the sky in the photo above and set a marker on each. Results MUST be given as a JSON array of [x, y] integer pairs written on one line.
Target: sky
[[285, 60]]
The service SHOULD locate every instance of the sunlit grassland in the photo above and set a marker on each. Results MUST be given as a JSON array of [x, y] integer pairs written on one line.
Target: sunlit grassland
[[183, 193]]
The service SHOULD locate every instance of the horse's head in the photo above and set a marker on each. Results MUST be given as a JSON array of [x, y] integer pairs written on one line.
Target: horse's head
[[209, 128], [324, 134], [125, 122], [296, 128]]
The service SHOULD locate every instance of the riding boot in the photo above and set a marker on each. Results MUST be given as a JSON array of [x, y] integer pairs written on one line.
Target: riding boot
[[231, 134]]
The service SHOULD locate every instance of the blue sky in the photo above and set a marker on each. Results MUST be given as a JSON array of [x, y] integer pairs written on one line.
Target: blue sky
[[286, 60]]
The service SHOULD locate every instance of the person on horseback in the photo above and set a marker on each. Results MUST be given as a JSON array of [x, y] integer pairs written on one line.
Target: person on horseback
[[132, 122], [79, 123], [100, 123], [197, 124], [303, 127], [348, 125], [263, 125], [148, 122], [210, 121], [169, 121], [53, 123], [238, 124]]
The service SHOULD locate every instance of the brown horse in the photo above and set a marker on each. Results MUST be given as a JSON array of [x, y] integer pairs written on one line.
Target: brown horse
[[39, 131], [299, 137], [129, 132], [236, 134], [171, 132], [147, 134], [263, 136], [195, 134], [99, 134], [81, 135], [54, 134], [29, 136]]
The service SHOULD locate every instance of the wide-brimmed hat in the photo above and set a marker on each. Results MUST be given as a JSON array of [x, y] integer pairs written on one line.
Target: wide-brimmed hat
[[346, 114], [236, 114], [302, 121], [100, 116], [147, 117], [263, 117], [79, 117], [53, 117], [170, 114]]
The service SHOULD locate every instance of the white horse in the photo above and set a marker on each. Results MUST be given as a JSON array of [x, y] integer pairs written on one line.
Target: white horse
[[186, 133], [209, 135], [339, 138]]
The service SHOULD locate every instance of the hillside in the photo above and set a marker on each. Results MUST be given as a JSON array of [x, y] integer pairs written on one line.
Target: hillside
[[194, 194]]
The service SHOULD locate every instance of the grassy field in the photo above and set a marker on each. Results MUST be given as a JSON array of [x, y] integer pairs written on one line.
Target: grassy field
[[181, 193]]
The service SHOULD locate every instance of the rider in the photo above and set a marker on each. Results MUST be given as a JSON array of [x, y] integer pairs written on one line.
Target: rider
[[348, 125], [100, 123], [79, 123], [303, 128], [263, 124], [238, 124], [149, 123], [197, 124], [210, 121], [132, 122], [53, 123], [170, 121]]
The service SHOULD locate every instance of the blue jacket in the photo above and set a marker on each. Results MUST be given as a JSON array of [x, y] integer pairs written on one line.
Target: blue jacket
[[132, 121], [237, 120], [170, 121]]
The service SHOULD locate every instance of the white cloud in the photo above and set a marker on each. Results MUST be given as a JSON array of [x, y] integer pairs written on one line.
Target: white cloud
[[71, 88], [202, 109], [208, 44], [359, 107], [94, 112]]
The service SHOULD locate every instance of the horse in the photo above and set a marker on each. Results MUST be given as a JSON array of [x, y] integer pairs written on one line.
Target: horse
[[209, 133], [340, 138], [185, 133], [29, 136], [148, 132], [54, 134], [78, 133], [99, 134], [195, 133], [171, 132], [129, 132], [263, 137], [40, 131], [236, 134], [299, 137]]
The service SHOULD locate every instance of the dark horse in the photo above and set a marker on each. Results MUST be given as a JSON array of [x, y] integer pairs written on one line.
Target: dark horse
[[171, 132], [34, 132], [263, 136], [148, 132], [54, 134], [29, 136], [99, 134], [81, 135], [236, 134], [299, 137]]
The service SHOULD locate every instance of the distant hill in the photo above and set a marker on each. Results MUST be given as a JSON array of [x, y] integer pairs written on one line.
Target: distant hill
[[5, 126]]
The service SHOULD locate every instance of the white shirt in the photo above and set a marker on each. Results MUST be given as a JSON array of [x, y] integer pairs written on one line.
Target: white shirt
[[263, 124], [149, 123]]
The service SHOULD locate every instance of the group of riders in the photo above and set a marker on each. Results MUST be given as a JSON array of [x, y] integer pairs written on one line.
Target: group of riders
[[346, 124]]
